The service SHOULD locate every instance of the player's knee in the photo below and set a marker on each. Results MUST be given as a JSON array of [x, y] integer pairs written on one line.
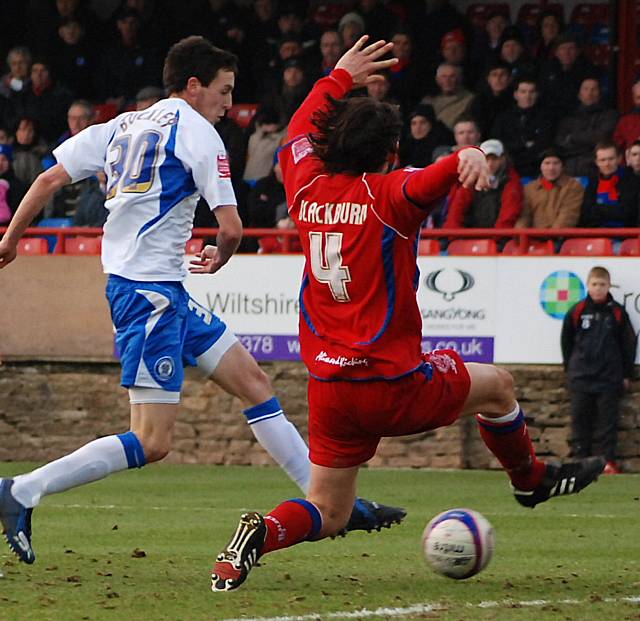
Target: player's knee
[[155, 448], [505, 389]]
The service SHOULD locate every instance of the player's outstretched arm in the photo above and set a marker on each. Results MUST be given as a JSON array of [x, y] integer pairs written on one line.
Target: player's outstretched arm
[[212, 258], [360, 63], [38, 195]]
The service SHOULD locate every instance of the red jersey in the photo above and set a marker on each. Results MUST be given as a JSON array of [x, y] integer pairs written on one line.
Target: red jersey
[[359, 317]]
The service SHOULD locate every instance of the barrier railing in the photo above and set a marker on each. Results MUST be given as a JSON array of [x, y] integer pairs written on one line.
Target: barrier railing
[[523, 236]]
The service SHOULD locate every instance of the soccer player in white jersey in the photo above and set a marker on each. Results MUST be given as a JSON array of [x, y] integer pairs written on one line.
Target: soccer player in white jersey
[[157, 163]]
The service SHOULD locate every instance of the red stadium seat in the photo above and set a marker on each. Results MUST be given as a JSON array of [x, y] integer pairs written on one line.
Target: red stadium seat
[[588, 14], [33, 246], [105, 112], [478, 12], [82, 245], [242, 114], [630, 248], [429, 246], [587, 246], [194, 246], [326, 15], [529, 13], [459, 247], [535, 247]]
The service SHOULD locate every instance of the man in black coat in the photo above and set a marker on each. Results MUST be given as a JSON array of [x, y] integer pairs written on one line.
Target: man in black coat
[[525, 130]]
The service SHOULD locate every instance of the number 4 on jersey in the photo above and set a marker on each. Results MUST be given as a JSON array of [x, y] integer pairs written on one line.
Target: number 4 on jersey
[[326, 263]]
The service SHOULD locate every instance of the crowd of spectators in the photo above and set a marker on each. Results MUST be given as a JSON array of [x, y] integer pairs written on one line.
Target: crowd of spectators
[[560, 153]]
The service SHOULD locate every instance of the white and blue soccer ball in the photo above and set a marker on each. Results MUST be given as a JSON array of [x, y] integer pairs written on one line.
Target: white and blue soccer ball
[[458, 543]]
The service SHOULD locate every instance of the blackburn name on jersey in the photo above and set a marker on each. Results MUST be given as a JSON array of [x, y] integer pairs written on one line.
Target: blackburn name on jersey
[[158, 162]]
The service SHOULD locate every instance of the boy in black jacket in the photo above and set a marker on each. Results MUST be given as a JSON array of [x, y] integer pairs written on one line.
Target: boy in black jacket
[[598, 351]]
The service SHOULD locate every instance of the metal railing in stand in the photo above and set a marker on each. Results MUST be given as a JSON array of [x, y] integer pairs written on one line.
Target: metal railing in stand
[[285, 236]]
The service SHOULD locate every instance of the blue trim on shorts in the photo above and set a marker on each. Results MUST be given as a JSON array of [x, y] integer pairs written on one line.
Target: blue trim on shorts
[[316, 518], [378, 378], [132, 449], [263, 411], [504, 429]]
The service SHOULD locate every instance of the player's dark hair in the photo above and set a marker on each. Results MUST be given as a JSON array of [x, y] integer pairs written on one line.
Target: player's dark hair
[[355, 135], [195, 57]]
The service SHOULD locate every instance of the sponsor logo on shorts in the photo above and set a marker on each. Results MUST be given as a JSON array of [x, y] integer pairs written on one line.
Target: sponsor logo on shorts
[[342, 361], [165, 368], [301, 148], [224, 170], [443, 362]]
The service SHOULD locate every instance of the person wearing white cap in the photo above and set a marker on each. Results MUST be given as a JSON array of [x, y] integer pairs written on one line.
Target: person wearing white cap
[[500, 205]]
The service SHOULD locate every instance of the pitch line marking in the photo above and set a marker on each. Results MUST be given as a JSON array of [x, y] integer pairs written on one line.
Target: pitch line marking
[[386, 613], [602, 516]]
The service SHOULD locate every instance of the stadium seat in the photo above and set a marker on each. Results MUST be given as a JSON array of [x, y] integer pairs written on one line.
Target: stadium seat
[[326, 15], [242, 114], [630, 247], [429, 246], [55, 223], [459, 247], [535, 247], [478, 12], [590, 14], [105, 112], [587, 246], [195, 245], [83, 245], [33, 245], [529, 13]]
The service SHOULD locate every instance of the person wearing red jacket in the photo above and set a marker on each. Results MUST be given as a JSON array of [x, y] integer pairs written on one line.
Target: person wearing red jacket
[[360, 325], [627, 130], [498, 207]]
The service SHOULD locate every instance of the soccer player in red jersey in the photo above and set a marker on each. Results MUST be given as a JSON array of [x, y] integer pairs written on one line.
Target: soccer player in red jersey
[[360, 327]]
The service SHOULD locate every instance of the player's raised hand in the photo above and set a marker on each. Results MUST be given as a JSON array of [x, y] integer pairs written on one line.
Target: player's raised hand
[[473, 171], [207, 261], [8, 253], [363, 62]]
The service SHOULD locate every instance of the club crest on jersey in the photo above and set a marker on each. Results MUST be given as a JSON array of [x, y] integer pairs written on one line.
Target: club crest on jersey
[[301, 148], [165, 368], [443, 362], [224, 170]]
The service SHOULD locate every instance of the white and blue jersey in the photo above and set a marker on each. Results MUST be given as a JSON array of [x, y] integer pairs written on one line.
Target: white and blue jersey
[[158, 162]]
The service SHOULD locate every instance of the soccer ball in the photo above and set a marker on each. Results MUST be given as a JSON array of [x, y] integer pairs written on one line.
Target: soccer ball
[[458, 543]]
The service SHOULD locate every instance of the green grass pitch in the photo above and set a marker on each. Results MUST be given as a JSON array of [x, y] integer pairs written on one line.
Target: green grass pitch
[[139, 545]]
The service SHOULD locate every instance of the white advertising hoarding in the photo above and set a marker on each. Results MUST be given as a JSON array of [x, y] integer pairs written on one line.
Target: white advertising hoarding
[[492, 309]]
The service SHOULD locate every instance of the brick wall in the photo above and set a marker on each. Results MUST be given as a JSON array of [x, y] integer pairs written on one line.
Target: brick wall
[[49, 409]]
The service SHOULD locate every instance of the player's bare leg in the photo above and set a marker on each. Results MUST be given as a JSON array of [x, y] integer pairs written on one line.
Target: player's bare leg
[[239, 374], [503, 428], [148, 440]]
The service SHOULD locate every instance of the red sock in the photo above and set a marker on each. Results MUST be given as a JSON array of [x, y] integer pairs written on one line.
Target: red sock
[[291, 522], [509, 441]]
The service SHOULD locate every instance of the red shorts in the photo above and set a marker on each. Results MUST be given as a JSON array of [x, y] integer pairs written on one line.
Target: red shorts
[[347, 419]]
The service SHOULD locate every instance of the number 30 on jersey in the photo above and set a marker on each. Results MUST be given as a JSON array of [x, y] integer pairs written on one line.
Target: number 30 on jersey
[[326, 263]]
